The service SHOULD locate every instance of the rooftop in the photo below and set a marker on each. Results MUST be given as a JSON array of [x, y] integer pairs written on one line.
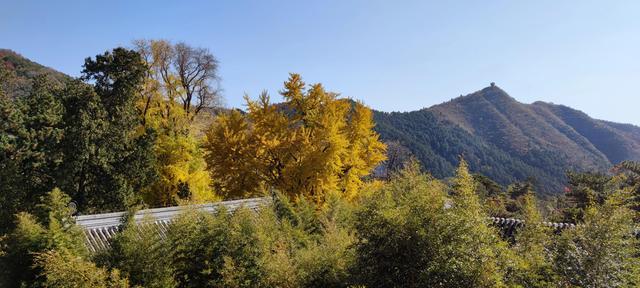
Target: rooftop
[[100, 228]]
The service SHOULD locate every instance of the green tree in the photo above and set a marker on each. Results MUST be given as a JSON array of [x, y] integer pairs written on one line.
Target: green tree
[[86, 161], [11, 194], [532, 242], [628, 176], [602, 251], [52, 230], [406, 237], [492, 196], [482, 248], [108, 158], [584, 190], [31, 132], [43, 127], [139, 252]]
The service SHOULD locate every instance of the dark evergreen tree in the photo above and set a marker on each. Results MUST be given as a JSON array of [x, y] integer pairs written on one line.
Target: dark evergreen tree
[[10, 130], [108, 157], [30, 135], [42, 123]]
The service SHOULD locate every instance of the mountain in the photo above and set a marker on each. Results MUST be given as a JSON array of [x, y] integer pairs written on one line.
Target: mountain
[[500, 137], [510, 141], [18, 72]]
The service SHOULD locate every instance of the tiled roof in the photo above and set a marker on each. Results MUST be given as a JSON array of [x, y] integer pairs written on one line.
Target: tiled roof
[[513, 222], [100, 228], [509, 225]]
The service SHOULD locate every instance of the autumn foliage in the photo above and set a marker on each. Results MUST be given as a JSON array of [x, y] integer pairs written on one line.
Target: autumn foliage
[[128, 135], [310, 145]]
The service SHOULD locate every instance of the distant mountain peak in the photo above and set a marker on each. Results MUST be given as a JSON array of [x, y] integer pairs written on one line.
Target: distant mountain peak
[[494, 92], [508, 140]]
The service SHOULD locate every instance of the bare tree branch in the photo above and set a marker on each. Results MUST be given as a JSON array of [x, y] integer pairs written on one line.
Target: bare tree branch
[[184, 72]]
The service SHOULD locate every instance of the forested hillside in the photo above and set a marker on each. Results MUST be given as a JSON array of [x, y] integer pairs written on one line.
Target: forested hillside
[[22, 71], [508, 140]]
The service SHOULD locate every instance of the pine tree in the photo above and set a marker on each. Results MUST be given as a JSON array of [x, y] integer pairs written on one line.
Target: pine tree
[[11, 194], [108, 158], [30, 137], [85, 170], [43, 127]]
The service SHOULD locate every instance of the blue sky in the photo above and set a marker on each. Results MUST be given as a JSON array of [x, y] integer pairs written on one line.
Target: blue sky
[[393, 55]]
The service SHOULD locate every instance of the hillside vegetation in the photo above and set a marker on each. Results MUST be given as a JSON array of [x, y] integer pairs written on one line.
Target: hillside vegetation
[[17, 73], [510, 141]]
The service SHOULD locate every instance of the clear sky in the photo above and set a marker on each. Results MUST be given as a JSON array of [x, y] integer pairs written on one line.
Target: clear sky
[[393, 55]]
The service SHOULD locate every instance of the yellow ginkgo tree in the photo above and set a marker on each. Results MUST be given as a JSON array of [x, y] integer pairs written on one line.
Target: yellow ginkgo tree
[[181, 169], [311, 144]]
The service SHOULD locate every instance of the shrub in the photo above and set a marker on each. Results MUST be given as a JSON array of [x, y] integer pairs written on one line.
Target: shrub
[[196, 240], [53, 230], [533, 265], [64, 270], [315, 250], [141, 254], [601, 252], [284, 245], [407, 238]]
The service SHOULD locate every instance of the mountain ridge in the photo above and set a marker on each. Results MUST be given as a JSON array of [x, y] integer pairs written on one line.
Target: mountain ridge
[[542, 140], [500, 137], [22, 71]]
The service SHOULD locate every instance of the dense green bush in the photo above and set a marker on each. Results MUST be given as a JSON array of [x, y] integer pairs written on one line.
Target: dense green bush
[[407, 237], [313, 245], [532, 258], [600, 253], [281, 245], [139, 252], [196, 239], [65, 270], [53, 230], [412, 231]]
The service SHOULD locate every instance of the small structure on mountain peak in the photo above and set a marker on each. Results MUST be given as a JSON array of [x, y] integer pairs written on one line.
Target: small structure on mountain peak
[[493, 84]]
